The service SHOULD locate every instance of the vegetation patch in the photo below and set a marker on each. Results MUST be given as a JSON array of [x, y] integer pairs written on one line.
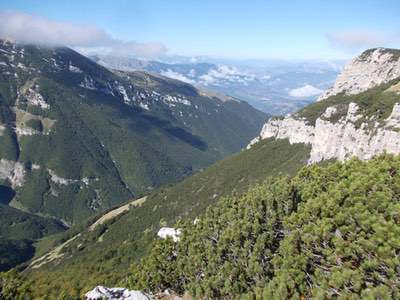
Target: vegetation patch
[[24, 118]]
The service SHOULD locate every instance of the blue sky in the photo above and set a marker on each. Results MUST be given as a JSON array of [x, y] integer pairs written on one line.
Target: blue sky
[[235, 29]]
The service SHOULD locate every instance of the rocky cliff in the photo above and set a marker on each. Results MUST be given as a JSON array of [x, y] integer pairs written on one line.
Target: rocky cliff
[[371, 68], [359, 116]]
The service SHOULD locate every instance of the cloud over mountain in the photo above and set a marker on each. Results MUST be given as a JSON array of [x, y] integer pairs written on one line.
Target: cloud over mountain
[[175, 75], [26, 28]]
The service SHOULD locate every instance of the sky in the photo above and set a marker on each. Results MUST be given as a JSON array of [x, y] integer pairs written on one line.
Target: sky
[[251, 29]]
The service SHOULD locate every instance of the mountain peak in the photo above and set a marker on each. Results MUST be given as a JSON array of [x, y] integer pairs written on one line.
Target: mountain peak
[[371, 68], [359, 116], [376, 53]]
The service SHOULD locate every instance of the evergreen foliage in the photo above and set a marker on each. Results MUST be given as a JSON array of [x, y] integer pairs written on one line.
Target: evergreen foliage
[[12, 287], [13, 252], [16, 224], [330, 232]]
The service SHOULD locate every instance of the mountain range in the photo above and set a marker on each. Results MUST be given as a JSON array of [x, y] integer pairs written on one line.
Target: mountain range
[[77, 139], [274, 86], [357, 119]]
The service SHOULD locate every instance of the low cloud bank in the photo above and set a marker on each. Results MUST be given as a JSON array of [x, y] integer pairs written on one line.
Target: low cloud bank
[[25, 28], [305, 91]]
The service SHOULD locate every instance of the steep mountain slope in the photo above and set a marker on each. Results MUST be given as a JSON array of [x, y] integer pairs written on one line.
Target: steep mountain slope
[[17, 229], [221, 121], [330, 232], [76, 138], [103, 255], [371, 68], [361, 118]]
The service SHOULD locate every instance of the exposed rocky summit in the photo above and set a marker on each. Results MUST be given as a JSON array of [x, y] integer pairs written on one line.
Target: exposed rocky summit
[[371, 68], [359, 116]]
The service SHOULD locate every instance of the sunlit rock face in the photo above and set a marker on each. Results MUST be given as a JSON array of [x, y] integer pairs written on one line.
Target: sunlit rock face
[[13, 172], [102, 292], [338, 140], [373, 67]]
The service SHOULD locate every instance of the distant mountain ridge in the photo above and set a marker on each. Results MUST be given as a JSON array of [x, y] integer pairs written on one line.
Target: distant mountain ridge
[[275, 87]]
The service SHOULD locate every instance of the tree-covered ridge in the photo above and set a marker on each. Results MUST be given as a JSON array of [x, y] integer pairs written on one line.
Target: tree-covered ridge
[[330, 232]]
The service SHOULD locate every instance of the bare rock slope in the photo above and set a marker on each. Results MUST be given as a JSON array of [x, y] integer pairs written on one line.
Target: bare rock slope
[[371, 68]]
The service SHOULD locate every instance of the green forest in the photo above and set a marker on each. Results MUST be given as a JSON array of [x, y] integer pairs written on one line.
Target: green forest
[[329, 232]]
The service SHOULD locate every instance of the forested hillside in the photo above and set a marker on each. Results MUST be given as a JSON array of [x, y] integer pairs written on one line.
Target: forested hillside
[[77, 139], [104, 255], [329, 232]]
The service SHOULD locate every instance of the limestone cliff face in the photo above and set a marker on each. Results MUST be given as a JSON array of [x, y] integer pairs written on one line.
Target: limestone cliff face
[[373, 67], [340, 140], [343, 130]]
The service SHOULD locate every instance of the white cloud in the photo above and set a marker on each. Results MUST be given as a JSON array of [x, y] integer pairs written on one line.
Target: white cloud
[[358, 39], [192, 73], [266, 77], [207, 79], [25, 28], [305, 91], [174, 75], [225, 73]]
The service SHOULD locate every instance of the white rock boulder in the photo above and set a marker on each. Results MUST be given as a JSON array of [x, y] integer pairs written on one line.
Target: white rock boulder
[[101, 292], [166, 232]]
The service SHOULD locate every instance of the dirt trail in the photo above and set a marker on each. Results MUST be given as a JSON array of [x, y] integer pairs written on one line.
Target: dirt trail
[[115, 212], [56, 252]]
